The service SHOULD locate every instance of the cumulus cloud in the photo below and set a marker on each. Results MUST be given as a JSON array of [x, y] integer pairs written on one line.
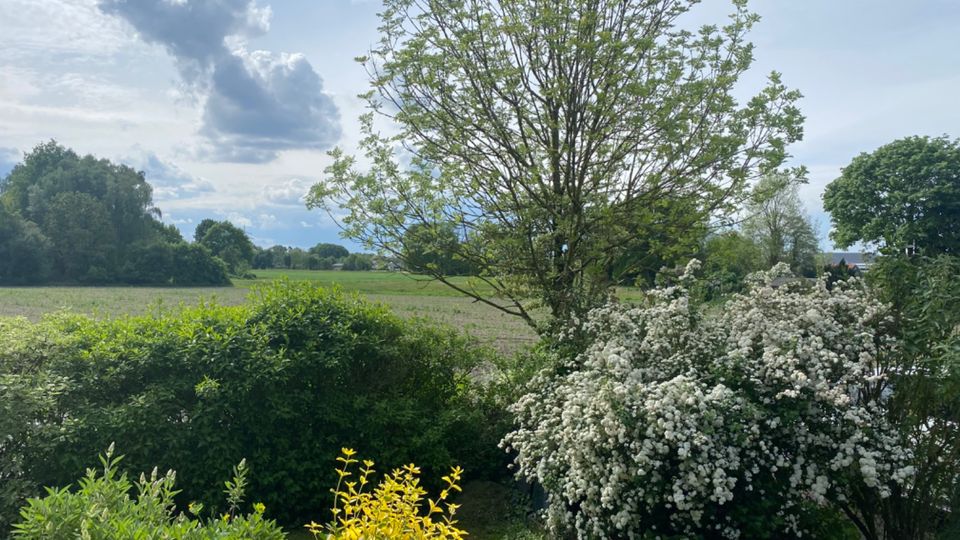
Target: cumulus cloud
[[239, 220], [290, 192], [167, 179], [255, 103], [268, 221]]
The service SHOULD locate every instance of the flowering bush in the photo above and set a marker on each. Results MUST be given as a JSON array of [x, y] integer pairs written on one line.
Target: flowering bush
[[732, 426], [392, 510]]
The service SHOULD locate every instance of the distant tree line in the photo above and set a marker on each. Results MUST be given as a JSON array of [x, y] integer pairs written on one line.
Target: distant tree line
[[66, 218], [322, 256], [71, 219]]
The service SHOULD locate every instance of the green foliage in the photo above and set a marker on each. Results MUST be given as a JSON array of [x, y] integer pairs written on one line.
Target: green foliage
[[103, 509], [556, 134], [24, 250], [358, 261], [432, 248], [778, 225], [727, 260], [201, 230], [925, 296], [334, 251], [83, 242], [28, 417], [906, 194], [282, 381], [839, 272], [73, 219], [228, 242], [319, 257]]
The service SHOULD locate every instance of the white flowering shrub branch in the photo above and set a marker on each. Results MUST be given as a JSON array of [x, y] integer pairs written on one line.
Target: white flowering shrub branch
[[676, 424]]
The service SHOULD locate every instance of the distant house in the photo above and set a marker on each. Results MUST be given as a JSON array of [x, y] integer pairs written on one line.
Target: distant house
[[860, 261]]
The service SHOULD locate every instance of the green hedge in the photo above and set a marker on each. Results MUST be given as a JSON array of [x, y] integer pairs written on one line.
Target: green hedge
[[283, 381]]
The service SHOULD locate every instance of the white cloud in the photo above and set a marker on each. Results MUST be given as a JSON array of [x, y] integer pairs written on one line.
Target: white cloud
[[239, 219], [268, 221], [290, 192], [169, 181], [59, 27], [255, 104]]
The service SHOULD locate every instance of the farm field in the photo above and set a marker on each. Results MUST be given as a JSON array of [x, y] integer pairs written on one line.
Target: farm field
[[407, 296]]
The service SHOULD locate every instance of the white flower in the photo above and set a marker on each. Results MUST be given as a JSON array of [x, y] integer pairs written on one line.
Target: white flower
[[671, 414]]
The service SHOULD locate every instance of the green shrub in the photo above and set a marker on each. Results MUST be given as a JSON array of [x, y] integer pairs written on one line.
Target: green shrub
[[283, 381], [102, 509], [924, 293]]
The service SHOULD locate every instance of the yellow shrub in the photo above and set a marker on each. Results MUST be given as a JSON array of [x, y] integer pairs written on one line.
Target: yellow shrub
[[392, 511]]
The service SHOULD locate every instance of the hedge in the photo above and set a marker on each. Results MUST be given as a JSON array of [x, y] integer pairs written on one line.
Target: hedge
[[284, 381]]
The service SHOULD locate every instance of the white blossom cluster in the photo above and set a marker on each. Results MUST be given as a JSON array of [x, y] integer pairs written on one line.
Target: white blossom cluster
[[674, 424]]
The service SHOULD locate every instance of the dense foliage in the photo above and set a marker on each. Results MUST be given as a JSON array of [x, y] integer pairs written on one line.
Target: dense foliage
[[434, 247], [904, 195], [728, 258], [736, 427], [228, 242], [101, 508], [924, 295], [396, 508], [776, 222], [72, 219], [555, 136], [322, 256], [282, 382]]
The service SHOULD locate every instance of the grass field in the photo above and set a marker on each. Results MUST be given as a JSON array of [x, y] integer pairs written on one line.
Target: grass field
[[407, 295]]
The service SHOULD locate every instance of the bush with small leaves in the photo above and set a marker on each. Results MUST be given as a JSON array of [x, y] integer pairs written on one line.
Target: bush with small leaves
[[752, 424], [103, 509], [294, 374], [393, 510]]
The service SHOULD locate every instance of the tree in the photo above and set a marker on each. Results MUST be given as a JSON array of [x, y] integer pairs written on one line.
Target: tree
[[358, 261], [779, 226], [552, 133], [905, 194], [51, 169], [738, 424], [433, 247], [728, 258], [230, 243], [167, 233], [923, 294], [335, 251], [83, 243], [83, 219], [24, 251], [201, 230]]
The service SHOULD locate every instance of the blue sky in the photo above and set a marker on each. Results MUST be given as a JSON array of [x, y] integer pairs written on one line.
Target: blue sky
[[230, 105]]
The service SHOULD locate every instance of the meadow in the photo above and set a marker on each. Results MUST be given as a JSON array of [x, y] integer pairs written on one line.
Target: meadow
[[407, 295]]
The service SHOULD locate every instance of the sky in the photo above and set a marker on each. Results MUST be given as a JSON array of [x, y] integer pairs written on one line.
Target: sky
[[229, 106]]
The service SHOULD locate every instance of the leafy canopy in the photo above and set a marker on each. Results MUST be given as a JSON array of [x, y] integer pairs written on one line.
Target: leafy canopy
[[71, 218], [778, 224], [904, 194], [228, 242], [553, 136]]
